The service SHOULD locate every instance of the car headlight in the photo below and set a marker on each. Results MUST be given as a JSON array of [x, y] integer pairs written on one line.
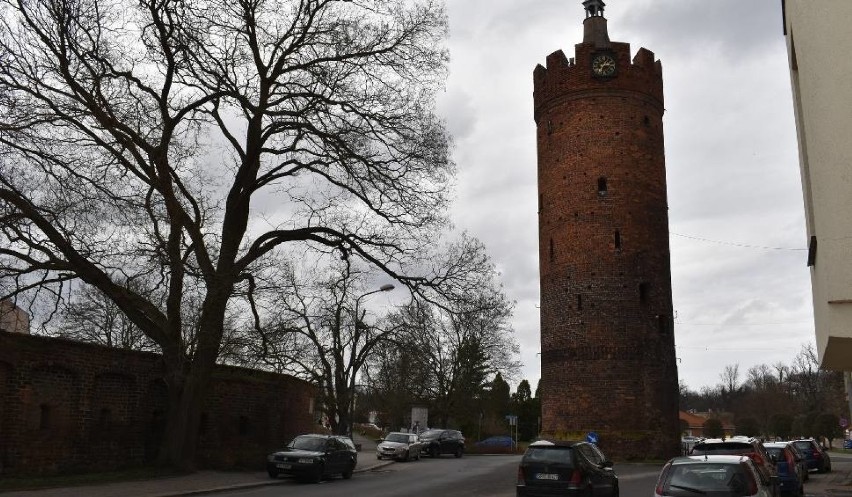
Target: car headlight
[[306, 460]]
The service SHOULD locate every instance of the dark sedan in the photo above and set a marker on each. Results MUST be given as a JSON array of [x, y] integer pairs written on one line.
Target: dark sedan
[[314, 457], [816, 456]]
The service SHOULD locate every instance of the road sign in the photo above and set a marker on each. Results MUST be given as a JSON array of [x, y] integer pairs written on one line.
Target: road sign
[[513, 420], [592, 437]]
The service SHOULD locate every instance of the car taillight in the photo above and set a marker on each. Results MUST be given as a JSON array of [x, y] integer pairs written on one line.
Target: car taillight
[[755, 457], [791, 462], [521, 480], [577, 477], [752, 483], [662, 480]]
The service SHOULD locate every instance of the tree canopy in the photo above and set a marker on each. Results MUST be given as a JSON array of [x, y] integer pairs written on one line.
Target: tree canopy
[[169, 153]]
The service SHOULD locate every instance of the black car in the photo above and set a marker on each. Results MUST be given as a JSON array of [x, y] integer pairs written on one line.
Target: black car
[[313, 457], [816, 456], [436, 442], [559, 467]]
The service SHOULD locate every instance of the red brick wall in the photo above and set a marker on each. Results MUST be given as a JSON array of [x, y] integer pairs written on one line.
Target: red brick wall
[[68, 406], [608, 359]]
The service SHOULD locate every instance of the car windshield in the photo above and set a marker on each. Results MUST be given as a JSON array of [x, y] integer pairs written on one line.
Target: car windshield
[[397, 437], [431, 434], [804, 445], [550, 455], [706, 478], [723, 448], [308, 443]]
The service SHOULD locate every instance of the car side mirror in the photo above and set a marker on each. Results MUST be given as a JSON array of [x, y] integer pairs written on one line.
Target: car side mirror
[[606, 464]]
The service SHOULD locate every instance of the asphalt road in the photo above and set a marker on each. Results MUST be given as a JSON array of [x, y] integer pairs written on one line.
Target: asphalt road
[[480, 476], [470, 476]]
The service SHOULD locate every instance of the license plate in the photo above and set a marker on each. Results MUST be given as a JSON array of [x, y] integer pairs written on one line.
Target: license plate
[[546, 476], [283, 466]]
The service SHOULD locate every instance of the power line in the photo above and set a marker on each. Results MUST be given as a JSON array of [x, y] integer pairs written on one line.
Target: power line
[[735, 244]]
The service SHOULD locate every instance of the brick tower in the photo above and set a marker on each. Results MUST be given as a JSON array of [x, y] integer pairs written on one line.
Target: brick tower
[[607, 334]]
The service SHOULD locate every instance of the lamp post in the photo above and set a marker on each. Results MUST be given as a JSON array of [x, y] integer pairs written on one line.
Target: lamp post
[[384, 288]]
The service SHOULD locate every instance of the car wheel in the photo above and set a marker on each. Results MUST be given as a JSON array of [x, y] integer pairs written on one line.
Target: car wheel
[[417, 457], [459, 452], [272, 473], [348, 473], [615, 490], [378, 457], [407, 456], [434, 451], [316, 477]]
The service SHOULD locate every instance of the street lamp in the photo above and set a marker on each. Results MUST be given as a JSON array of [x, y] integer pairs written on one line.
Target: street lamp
[[384, 288]]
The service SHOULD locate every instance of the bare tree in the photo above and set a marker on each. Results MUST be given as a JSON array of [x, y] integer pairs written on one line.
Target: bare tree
[[460, 347], [327, 334], [92, 317], [178, 144]]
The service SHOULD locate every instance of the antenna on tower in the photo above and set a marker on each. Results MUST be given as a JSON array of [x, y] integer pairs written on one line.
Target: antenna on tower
[[594, 8]]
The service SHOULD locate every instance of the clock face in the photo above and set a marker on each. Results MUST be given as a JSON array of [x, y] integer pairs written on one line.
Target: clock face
[[603, 65]]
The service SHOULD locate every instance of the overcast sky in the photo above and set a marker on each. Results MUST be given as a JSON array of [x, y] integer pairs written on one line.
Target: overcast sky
[[741, 288]]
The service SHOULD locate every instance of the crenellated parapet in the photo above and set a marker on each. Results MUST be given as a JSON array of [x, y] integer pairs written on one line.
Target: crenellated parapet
[[565, 78]]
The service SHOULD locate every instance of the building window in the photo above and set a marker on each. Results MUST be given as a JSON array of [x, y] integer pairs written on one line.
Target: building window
[[663, 323], [602, 186], [812, 251], [551, 250], [203, 424], [579, 302], [44, 417], [617, 240], [244, 426], [643, 292]]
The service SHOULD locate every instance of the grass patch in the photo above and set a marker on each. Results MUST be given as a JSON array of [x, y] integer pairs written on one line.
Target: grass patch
[[68, 480]]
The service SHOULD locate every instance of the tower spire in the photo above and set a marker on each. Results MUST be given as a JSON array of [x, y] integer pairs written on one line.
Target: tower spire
[[594, 27], [594, 8]]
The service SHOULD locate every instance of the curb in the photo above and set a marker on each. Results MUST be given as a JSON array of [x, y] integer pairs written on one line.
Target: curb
[[243, 486]]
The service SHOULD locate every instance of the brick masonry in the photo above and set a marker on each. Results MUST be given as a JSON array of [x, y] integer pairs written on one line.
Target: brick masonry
[[69, 406], [607, 333]]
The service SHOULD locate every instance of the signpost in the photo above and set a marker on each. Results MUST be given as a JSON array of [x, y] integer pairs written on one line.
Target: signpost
[[592, 437], [513, 421]]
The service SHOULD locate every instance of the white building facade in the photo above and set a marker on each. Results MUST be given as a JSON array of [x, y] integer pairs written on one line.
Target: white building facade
[[819, 37]]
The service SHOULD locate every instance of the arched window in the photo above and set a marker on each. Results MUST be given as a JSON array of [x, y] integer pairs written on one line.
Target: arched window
[[602, 186], [643, 292]]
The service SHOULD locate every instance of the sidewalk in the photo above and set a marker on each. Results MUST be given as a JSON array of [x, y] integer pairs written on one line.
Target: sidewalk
[[199, 483], [838, 483]]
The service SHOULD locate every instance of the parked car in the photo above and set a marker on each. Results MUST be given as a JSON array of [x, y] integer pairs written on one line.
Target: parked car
[[816, 456], [787, 464], [745, 446], [436, 442], [496, 441], [803, 461], [558, 467], [847, 444], [713, 475], [314, 457], [400, 446]]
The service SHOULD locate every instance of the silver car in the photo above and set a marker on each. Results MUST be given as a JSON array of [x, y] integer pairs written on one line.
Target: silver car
[[399, 446]]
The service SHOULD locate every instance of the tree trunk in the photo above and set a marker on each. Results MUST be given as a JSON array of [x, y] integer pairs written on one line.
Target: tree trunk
[[188, 380]]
